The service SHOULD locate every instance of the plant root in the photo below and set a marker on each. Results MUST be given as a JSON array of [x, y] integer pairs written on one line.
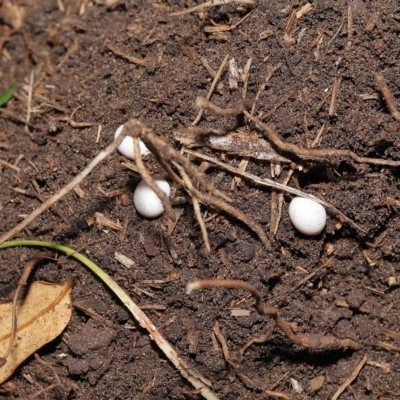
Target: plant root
[[308, 341], [290, 148]]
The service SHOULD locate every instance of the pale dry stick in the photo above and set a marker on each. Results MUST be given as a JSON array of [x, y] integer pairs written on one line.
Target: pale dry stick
[[244, 162], [262, 87], [225, 351], [138, 61], [65, 190], [245, 77], [383, 87], [9, 114], [280, 202], [196, 206], [29, 101], [150, 182], [276, 185], [277, 394], [317, 139], [211, 3], [334, 36], [8, 165], [72, 114], [195, 378], [208, 67], [212, 88], [308, 341], [350, 379], [349, 23], [158, 147], [335, 92]]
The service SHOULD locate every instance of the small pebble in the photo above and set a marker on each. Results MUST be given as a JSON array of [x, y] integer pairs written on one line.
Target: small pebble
[[146, 200], [126, 147], [307, 216]]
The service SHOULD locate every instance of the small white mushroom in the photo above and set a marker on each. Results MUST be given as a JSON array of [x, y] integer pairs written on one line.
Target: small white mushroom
[[146, 200], [307, 216], [126, 147]]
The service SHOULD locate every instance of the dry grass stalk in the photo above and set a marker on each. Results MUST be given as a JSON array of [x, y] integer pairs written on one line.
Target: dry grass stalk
[[317, 139], [212, 88], [211, 3], [196, 206], [383, 87], [335, 92], [8, 165], [163, 151], [350, 379], [65, 190], [150, 182], [245, 77], [334, 36], [276, 207], [276, 185], [29, 101], [138, 61]]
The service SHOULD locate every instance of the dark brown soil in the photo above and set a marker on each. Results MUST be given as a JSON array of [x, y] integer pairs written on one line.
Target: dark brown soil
[[350, 297]]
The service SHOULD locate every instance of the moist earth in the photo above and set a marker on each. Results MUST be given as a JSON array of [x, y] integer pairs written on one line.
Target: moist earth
[[343, 282]]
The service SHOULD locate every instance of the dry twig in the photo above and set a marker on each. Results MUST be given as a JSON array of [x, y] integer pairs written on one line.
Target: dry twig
[[211, 3], [211, 91], [196, 206], [383, 87], [335, 92], [350, 379], [276, 185], [290, 148], [138, 61], [65, 190], [150, 182], [8, 165]]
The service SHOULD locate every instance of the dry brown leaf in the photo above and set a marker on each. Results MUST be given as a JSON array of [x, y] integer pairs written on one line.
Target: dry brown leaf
[[41, 317], [12, 14]]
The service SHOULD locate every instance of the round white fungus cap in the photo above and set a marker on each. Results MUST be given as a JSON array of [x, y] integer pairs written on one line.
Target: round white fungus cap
[[307, 216], [146, 200], [126, 147]]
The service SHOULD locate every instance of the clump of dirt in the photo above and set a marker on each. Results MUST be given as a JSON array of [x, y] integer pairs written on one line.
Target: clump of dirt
[[76, 89]]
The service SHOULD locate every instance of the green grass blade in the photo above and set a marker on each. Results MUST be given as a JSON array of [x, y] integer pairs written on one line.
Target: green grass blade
[[5, 96], [78, 256]]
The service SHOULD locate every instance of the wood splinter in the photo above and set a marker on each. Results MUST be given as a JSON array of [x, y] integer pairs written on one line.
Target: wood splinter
[[383, 87]]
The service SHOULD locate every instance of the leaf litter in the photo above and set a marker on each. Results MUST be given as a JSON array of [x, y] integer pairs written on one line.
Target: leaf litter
[[41, 317]]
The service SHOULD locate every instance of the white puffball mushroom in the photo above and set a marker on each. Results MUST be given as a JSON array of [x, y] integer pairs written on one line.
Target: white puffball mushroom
[[126, 147], [146, 200], [307, 216]]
